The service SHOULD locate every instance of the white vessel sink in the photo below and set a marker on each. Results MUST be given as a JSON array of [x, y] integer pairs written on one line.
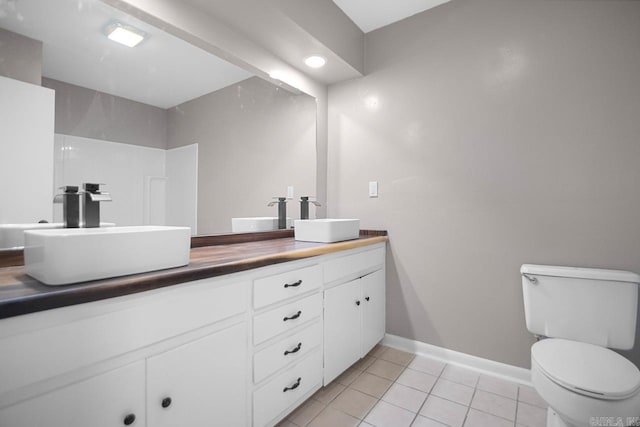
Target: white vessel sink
[[12, 235], [326, 230], [257, 223], [71, 255]]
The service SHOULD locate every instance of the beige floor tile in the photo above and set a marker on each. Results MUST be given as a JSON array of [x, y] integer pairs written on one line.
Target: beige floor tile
[[427, 365], [453, 391], [385, 369], [421, 421], [531, 416], [480, 419], [378, 350], [286, 423], [530, 395], [328, 393], [306, 412], [460, 375], [444, 411], [371, 384], [416, 379], [330, 417], [348, 376], [494, 404], [387, 415], [498, 386], [364, 363], [405, 397], [397, 356], [354, 403]]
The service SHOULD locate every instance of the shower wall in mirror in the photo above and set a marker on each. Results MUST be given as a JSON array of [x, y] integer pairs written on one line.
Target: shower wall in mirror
[[178, 136]]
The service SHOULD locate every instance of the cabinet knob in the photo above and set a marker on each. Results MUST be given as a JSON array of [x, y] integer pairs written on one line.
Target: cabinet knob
[[367, 298], [295, 350], [166, 402], [294, 386], [129, 419], [358, 302], [295, 316], [293, 285]]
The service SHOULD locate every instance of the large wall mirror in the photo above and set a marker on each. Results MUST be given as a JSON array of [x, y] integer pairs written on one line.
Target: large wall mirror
[[179, 136]]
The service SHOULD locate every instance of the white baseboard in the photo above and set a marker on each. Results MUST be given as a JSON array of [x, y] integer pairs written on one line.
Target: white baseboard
[[484, 366]]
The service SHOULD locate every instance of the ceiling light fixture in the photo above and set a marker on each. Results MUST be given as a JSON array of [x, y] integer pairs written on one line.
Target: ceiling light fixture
[[315, 61], [125, 34]]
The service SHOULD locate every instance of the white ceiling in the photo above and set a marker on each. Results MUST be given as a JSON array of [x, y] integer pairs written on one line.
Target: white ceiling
[[163, 70], [373, 14]]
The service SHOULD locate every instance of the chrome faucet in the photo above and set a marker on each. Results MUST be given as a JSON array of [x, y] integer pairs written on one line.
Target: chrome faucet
[[91, 204], [304, 206], [282, 211]]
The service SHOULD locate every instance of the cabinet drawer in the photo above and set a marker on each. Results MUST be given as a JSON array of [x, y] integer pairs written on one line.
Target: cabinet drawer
[[285, 318], [269, 290], [286, 351], [350, 265], [272, 399]]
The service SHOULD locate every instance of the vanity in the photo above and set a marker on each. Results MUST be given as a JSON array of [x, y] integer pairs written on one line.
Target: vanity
[[240, 337]]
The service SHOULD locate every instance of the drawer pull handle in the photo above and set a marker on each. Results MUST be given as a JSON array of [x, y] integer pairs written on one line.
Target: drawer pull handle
[[295, 316], [295, 350], [367, 298], [293, 285], [129, 419], [166, 402], [358, 302], [293, 387]]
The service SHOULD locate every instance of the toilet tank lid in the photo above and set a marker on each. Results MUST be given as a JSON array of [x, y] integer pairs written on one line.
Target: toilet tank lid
[[580, 273]]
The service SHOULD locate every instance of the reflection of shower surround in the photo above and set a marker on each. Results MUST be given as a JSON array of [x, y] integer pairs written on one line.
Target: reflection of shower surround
[[137, 177]]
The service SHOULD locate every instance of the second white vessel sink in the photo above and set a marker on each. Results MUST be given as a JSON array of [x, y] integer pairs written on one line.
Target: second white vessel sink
[[326, 230], [72, 255], [256, 223]]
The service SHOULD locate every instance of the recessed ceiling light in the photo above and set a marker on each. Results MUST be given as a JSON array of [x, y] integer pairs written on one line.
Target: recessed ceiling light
[[315, 61], [125, 34]]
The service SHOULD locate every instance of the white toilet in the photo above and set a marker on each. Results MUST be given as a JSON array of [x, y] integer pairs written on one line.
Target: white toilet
[[583, 312]]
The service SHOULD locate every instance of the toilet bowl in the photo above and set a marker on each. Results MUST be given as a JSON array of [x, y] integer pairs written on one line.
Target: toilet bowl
[[585, 384], [581, 314]]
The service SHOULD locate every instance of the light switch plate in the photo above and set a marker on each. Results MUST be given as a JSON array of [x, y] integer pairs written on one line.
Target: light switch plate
[[373, 188], [290, 192]]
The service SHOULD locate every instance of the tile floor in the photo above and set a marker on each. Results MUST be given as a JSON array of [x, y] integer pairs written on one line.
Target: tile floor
[[391, 388]]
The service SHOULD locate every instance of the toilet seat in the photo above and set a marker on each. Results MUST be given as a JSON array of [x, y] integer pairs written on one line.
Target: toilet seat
[[586, 369]]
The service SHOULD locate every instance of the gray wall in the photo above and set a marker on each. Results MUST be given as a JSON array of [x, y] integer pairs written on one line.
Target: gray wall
[[254, 140], [92, 114], [502, 132], [20, 57]]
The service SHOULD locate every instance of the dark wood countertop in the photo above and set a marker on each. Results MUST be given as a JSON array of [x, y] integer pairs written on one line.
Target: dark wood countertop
[[21, 294]]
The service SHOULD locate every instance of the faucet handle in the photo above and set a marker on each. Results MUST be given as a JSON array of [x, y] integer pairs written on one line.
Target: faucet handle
[[306, 199], [277, 200]]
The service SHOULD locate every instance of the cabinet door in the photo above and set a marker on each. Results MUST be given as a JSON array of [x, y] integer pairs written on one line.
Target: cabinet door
[[342, 342], [373, 310], [113, 399], [202, 383]]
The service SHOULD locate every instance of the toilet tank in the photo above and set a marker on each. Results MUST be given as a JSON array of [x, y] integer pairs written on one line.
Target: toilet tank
[[582, 304]]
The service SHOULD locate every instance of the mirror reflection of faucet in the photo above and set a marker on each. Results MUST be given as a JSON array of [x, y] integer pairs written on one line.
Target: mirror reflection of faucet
[[70, 199], [91, 198], [282, 211]]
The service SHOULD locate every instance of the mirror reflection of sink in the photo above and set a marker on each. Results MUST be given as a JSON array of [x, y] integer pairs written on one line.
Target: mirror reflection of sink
[[72, 255], [257, 223], [12, 235], [326, 230]]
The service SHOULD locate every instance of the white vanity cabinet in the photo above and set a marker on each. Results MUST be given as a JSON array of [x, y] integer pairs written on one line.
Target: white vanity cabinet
[[170, 357], [354, 311], [232, 351]]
